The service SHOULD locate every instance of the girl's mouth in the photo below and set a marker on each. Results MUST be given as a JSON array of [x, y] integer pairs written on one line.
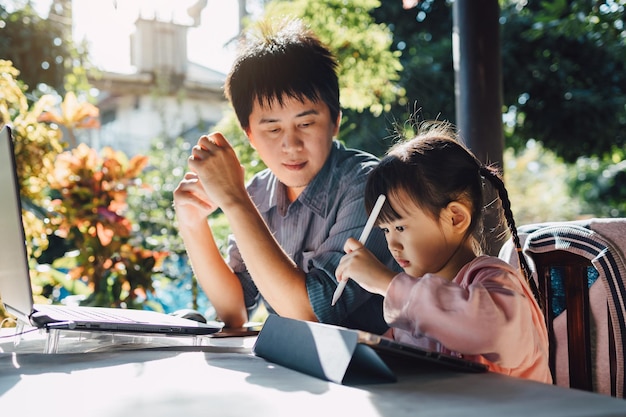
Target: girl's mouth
[[403, 262]]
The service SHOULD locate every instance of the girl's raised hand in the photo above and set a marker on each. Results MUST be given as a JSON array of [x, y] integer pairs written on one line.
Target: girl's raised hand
[[363, 267]]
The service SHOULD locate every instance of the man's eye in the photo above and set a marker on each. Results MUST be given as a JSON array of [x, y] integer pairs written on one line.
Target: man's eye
[[400, 228]]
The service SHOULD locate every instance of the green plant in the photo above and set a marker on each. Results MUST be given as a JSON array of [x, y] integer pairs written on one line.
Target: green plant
[[600, 183], [36, 146], [75, 200], [89, 193], [537, 183]]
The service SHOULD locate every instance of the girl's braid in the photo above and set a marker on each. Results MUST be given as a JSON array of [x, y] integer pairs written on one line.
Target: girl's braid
[[497, 182]]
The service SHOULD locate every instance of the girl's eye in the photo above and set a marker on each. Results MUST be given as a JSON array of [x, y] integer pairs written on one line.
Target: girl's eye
[[399, 228], [385, 230]]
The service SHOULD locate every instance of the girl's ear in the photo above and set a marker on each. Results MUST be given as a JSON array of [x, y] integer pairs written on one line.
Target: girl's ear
[[459, 216]]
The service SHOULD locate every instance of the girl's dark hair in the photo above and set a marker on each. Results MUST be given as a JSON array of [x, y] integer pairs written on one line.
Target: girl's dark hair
[[434, 169], [282, 59]]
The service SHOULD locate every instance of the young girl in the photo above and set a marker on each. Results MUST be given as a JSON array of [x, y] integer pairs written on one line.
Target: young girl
[[450, 297]]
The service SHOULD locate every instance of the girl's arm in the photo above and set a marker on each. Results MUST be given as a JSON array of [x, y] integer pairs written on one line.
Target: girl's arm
[[483, 311]]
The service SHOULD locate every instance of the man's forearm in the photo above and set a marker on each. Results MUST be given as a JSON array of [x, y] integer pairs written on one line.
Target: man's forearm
[[277, 277], [217, 280]]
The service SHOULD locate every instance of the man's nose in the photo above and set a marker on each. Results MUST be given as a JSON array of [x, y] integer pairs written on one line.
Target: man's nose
[[291, 141]]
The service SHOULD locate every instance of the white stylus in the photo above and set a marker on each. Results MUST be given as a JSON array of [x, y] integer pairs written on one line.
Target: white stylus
[[364, 234]]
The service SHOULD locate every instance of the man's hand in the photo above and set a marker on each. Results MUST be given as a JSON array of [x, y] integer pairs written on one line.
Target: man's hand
[[191, 203], [218, 169]]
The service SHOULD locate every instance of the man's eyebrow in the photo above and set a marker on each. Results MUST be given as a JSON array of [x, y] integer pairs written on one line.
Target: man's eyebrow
[[307, 112], [302, 114]]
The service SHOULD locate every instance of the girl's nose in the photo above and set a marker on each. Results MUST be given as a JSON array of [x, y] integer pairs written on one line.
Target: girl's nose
[[392, 242]]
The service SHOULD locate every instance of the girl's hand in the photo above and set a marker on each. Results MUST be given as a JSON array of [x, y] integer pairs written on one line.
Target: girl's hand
[[363, 267]]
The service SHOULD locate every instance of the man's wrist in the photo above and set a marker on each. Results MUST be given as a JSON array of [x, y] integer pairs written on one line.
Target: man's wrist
[[192, 225]]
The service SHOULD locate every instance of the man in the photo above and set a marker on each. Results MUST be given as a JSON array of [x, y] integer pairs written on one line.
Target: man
[[290, 222]]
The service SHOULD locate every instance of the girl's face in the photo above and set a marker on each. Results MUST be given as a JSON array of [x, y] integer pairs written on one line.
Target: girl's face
[[419, 243]]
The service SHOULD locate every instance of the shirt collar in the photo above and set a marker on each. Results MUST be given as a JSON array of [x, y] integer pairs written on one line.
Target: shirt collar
[[315, 196]]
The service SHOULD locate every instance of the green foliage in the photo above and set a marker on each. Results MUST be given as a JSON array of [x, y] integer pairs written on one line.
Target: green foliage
[[422, 36], [42, 49], [36, 144], [150, 204], [369, 68], [536, 180], [600, 183], [36, 147], [89, 197], [564, 74], [77, 200], [28, 41], [542, 187]]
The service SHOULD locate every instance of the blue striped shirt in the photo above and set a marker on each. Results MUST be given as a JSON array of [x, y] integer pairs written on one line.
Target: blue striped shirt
[[312, 231]]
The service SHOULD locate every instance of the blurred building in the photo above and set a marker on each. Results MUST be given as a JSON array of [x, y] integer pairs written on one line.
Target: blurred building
[[166, 97]]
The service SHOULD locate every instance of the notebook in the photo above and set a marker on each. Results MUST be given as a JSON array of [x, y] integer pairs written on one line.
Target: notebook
[[347, 356], [15, 286]]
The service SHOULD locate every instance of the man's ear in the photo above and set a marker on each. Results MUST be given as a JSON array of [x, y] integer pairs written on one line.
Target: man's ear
[[250, 138], [459, 216], [337, 123]]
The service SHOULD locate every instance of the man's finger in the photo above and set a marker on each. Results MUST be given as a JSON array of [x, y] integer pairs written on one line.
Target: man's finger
[[219, 140]]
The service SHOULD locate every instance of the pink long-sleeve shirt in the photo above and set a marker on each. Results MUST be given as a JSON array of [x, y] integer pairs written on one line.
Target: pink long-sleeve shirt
[[486, 314]]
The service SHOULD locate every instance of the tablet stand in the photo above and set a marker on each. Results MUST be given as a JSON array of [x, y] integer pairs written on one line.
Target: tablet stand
[[324, 351]]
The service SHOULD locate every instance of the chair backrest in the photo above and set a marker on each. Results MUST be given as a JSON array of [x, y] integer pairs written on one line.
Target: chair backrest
[[563, 284], [580, 270]]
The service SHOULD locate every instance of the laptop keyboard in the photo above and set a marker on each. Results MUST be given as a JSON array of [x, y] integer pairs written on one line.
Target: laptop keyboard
[[95, 314]]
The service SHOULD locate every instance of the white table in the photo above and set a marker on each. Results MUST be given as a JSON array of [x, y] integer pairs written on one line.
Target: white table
[[221, 377]]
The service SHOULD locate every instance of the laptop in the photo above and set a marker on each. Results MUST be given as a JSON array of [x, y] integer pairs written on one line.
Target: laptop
[[15, 285], [348, 356]]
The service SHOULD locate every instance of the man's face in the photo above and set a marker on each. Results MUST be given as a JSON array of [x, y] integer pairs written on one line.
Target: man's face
[[294, 140]]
